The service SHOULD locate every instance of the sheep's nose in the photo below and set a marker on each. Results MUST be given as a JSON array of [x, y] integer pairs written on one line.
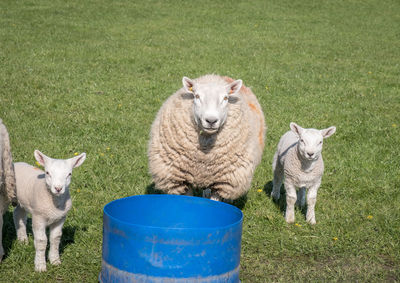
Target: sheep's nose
[[211, 120], [310, 154], [58, 189]]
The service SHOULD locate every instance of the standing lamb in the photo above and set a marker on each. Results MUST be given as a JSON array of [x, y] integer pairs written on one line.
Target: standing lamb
[[298, 161], [46, 196], [208, 135], [7, 178]]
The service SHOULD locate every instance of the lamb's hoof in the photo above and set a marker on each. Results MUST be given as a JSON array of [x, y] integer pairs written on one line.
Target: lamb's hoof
[[275, 196], [55, 261], [312, 221], [23, 240], [289, 219], [40, 267]]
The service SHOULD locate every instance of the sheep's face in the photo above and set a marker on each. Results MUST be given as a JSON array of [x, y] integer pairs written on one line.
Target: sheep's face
[[58, 171], [311, 140], [210, 103]]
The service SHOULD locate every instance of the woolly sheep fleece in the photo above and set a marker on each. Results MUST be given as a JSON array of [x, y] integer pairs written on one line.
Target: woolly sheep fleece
[[182, 157]]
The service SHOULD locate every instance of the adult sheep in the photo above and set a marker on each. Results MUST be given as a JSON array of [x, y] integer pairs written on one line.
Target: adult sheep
[[7, 178], [209, 135]]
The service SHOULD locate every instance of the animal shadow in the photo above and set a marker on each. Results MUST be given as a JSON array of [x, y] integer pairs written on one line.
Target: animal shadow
[[239, 203], [281, 202], [9, 233]]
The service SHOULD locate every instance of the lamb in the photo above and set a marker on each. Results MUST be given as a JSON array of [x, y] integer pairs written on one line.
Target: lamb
[[7, 178], [45, 195], [208, 135], [298, 161]]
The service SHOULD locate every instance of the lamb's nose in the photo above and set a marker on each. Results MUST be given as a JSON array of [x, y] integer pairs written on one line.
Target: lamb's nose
[[58, 189], [310, 154], [211, 120]]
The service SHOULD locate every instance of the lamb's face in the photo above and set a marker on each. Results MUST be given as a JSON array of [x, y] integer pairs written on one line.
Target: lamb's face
[[311, 140], [310, 144], [58, 176], [210, 103], [58, 171]]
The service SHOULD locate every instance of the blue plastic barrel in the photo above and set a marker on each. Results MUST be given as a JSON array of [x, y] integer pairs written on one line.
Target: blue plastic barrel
[[168, 238]]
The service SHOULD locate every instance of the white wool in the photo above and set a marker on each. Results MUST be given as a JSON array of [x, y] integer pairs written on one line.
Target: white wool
[[209, 135], [298, 162], [7, 178], [45, 195]]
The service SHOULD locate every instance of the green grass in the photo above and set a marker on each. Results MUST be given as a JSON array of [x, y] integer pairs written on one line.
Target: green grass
[[90, 76]]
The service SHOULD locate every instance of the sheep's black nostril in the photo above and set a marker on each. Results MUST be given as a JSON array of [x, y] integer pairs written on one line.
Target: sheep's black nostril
[[211, 120]]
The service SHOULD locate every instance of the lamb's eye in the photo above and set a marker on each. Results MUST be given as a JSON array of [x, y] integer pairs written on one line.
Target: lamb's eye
[[301, 140], [225, 98], [47, 173], [69, 174], [197, 96]]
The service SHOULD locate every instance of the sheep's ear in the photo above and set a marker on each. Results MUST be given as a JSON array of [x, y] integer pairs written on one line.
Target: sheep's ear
[[77, 160], [234, 87], [40, 157], [296, 129], [188, 84], [326, 133]]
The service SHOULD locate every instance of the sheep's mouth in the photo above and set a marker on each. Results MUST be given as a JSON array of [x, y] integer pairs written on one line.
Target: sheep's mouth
[[210, 131]]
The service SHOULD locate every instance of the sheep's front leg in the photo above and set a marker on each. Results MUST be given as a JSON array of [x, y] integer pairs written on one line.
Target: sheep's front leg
[[277, 182], [55, 238], [19, 216], [291, 197], [311, 200], [40, 241], [1, 237]]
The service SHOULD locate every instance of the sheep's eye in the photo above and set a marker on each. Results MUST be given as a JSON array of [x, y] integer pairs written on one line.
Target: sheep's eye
[[197, 96], [225, 98], [47, 173], [69, 174], [320, 142], [302, 141]]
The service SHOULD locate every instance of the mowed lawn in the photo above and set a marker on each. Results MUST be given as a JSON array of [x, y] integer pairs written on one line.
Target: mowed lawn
[[90, 76]]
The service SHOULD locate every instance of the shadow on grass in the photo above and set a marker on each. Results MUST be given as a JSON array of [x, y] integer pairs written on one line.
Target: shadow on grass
[[281, 202], [152, 190], [9, 233]]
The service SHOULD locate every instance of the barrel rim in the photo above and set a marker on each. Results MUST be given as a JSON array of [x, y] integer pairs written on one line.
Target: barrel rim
[[213, 202]]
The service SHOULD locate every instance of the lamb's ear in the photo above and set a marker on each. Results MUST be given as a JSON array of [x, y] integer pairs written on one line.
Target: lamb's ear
[[188, 84], [40, 157], [234, 87], [296, 129], [326, 133], [77, 160]]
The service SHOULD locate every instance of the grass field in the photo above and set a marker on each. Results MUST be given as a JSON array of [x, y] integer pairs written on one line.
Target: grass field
[[89, 76]]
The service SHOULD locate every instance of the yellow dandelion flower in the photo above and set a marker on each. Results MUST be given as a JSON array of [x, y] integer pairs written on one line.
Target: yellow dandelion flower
[[101, 154], [266, 87], [369, 73], [259, 190], [38, 164], [335, 238], [394, 125], [108, 148], [370, 217], [75, 153], [120, 105], [78, 190], [297, 224]]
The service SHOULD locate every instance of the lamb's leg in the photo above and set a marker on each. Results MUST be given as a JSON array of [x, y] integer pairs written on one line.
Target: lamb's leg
[[301, 197], [291, 197], [55, 238], [20, 224], [278, 180], [40, 241], [311, 200]]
